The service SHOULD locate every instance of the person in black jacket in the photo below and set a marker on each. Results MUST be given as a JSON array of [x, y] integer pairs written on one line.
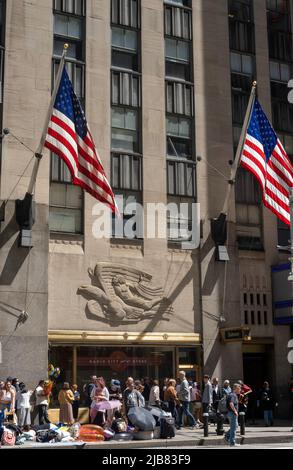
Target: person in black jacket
[[217, 393], [267, 403]]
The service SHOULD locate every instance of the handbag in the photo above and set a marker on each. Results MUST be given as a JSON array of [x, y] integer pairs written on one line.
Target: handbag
[[11, 418], [8, 437]]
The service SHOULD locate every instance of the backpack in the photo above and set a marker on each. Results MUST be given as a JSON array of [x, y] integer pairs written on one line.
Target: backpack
[[167, 426], [265, 396], [8, 437], [46, 435], [33, 398], [223, 405], [119, 425]]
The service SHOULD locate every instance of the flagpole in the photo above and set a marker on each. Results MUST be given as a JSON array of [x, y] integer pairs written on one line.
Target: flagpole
[[290, 278], [235, 164], [38, 153]]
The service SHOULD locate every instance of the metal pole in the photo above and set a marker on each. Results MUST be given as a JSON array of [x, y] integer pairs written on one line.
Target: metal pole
[[242, 423], [40, 148], [235, 164], [205, 424], [290, 278]]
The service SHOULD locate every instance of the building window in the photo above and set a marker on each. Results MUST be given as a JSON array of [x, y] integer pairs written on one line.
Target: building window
[[125, 49], [178, 22], [259, 317], [248, 211], [179, 97], [278, 15], [181, 178], [242, 63], [125, 129], [182, 3], [76, 7], [241, 88], [241, 26], [126, 159], [279, 30], [179, 137], [69, 29], [252, 317], [66, 203], [125, 89], [265, 317], [126, 172], [246, 317], [282, 111], [181, 169], [126, 13], [280, 45], [178, 64], [179, 219], [280, 72]]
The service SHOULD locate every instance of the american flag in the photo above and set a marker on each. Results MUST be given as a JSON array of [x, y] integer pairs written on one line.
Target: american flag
[[264, 155], [69, 137]]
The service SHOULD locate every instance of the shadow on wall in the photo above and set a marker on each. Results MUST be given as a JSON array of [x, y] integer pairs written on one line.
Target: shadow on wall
[[15, 256], [210, 278]]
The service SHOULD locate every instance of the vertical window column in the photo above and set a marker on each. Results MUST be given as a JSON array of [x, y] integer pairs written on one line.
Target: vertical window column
[[281, 71], [126, 156], [243, 72], [180, 141], [66, 199]]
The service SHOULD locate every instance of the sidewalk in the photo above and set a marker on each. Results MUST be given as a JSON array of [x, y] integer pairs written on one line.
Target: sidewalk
[[257, 434]]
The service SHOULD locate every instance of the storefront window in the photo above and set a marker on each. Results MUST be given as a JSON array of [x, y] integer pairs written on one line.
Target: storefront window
[[114, 362], [189, 360], [62, 358]]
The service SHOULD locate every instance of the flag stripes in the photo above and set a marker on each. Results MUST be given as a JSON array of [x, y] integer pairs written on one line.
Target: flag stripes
[[69, 137], [264, 156]]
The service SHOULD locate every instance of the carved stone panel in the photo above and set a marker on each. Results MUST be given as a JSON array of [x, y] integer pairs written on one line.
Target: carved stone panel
[[120, 295]]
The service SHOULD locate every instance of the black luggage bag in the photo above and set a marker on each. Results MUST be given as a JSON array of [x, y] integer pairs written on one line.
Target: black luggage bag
[[167, 427]]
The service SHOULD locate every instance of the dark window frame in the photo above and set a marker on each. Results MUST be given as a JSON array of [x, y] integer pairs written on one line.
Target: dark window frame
[[120, 23], [80, 209], [236, 24], [63, 10], [121, 155], [132, 74], [183, 10]]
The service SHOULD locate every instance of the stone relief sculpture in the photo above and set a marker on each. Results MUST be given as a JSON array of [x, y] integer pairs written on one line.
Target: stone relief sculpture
[[120, 294]]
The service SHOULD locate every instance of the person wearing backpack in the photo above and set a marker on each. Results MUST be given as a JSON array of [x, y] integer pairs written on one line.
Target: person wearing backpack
[[226, 390]]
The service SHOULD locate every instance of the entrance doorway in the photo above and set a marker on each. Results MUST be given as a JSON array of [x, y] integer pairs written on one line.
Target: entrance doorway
[[257, 368]]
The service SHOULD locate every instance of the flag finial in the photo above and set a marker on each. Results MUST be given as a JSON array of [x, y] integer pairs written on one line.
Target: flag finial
[[66, 46], [254, 84]]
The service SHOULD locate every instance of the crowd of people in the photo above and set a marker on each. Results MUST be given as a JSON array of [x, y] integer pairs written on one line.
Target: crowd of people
[[185, 400]]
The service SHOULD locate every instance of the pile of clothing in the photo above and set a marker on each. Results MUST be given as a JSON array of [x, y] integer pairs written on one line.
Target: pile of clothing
[[11, 434]]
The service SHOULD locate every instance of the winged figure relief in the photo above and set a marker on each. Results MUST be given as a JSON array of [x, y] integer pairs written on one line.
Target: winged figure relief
[[121, 294]]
